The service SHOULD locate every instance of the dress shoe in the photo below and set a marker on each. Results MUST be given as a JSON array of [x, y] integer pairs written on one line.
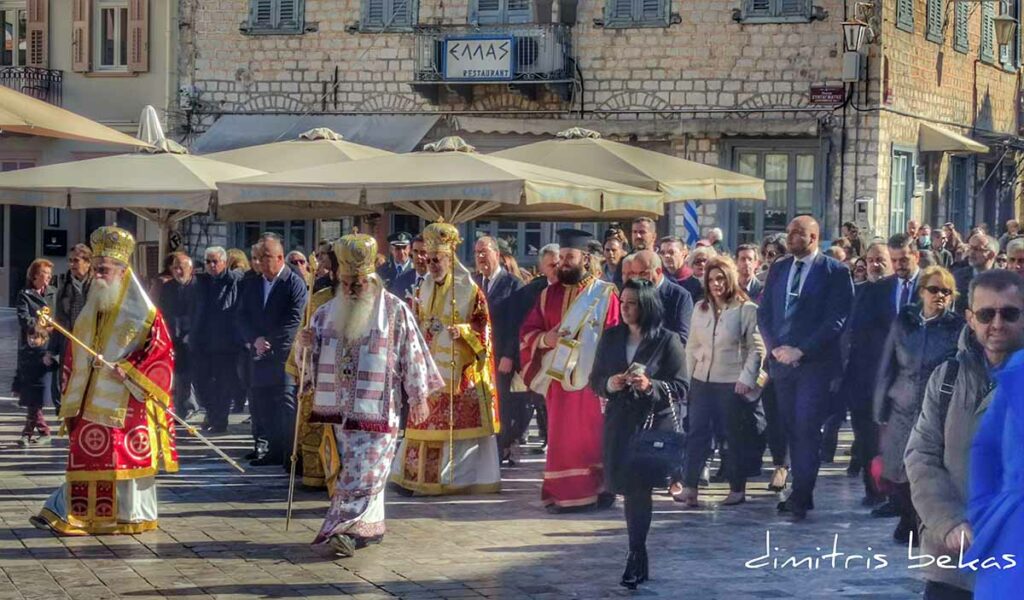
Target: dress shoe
[[779, 477], [902, 532], [342, 545], [554, 509], [266, 461], [636, 569], [687, 497], [796, 510], [40, 523], [885, 511], [734, 498], [605, 500]]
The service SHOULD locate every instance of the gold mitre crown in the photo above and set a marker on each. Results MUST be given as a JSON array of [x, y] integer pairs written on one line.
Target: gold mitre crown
[[357, 255], [441, 237], [112, 242]]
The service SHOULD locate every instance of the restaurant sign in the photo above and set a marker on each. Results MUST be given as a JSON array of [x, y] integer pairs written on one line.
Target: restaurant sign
[[478, 58]]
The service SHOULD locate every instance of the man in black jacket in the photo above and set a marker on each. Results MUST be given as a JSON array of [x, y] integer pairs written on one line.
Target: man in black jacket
[[268, 318], [498, 285], [176, 300], [676, 301], [72, 290], [215, 339]]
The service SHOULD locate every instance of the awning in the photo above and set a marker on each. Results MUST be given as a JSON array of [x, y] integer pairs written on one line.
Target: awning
[[932, 138], [396, 133], [20, 113], [617, 128]]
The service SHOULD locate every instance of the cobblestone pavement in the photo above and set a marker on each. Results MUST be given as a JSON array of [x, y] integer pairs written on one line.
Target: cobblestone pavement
[[222, 536]]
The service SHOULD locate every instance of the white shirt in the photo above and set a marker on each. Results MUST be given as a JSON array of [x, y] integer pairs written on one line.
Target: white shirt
[[490, 280], [269, 284], [808, 261], [900, 282]]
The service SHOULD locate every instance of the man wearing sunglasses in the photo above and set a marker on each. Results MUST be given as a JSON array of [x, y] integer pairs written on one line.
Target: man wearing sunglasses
[[958, 394]]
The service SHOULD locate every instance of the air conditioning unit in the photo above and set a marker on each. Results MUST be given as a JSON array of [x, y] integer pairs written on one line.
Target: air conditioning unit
[[539, 55]]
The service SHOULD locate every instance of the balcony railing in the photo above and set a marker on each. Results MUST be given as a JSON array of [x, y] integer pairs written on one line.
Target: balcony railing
[[541, 53], [43, 84]]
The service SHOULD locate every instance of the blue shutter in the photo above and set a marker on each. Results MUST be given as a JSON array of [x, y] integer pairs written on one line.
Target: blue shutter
[[988, 32], [933, 31], [618, 13], [905, 15], [794, 8], [401, 14], [757, 8], [519, 11], [486, 12], [289, 15], [262, 13], [373, 14], [961, 39]]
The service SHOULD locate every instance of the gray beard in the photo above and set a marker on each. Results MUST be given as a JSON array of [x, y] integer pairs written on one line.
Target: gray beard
[[353, 316], [102, 296]]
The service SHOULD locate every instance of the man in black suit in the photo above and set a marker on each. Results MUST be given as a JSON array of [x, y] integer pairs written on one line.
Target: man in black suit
[[405, 285], [498, 285], [399, 261], [804, 309], [268, 319], [981, 256], [176, 299], [748, 263], [676, 301], [906, 262]]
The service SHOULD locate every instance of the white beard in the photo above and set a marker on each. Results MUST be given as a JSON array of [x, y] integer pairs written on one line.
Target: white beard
[[102, 296], [353, 316]]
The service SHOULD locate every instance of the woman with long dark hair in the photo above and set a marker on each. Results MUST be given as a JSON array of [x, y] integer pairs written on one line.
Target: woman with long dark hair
[[640, 368], [725, 351]]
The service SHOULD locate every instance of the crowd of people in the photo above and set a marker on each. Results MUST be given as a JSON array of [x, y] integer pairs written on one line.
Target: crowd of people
[[414, 370]]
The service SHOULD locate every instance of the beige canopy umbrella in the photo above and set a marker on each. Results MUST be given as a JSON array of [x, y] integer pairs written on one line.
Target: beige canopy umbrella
[[449, 180], [315, 147], [163, 187], [20, 113], [584, 151]]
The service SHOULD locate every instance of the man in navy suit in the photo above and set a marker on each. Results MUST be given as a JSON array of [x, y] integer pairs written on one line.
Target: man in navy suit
[[399, 261], [676, 301], [404, 286], [804, 309], [498, 285], [268, 319]]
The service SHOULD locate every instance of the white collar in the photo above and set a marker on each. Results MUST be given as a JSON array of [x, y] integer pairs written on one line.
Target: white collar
[[277, 276]]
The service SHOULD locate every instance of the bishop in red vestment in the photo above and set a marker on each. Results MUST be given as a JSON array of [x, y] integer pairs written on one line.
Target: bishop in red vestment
[[119, 431], [558, 341]]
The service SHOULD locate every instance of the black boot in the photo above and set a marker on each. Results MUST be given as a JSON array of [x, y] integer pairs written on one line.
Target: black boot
[[634, 574]]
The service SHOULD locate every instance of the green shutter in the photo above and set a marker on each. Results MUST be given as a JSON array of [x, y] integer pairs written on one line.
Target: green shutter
[[988, 32], [793, 8], [961, 39], [905, 15], [757, 8], [934, 25], [262, 13]]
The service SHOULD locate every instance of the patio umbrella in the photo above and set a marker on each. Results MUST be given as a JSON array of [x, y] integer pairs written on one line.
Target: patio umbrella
[[315, 147], [448, 179], [20, 113], [160, 186], [584, 151]]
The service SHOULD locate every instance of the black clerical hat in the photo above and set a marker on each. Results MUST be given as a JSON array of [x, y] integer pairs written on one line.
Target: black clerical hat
[[574, 238]]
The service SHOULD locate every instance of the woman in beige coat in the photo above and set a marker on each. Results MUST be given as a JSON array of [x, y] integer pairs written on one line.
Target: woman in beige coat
[[724, 351]]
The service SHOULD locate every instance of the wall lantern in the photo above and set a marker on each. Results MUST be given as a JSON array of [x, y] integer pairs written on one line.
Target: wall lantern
[[854, 33]]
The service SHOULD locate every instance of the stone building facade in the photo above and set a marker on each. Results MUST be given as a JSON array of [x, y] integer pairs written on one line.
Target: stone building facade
[[722, 83]]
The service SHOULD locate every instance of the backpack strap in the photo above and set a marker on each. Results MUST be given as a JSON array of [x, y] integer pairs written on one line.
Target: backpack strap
[[949, 382]]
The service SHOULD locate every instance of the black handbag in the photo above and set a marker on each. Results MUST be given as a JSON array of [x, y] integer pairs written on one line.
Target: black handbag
[[653, 455]]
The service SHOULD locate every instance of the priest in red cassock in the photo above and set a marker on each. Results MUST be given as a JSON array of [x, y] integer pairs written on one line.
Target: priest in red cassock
[[119, 431], [558, 342]]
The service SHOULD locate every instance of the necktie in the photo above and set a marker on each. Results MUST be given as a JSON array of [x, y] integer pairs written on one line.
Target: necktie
[[487, 284], [905, 293], [794, 285]]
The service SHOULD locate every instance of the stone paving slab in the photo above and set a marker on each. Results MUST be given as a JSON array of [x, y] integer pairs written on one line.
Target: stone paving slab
[[222, 537]]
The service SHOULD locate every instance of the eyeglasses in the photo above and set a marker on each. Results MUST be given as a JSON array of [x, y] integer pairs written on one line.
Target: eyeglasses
[[297, 261], [1010, 314], [938, 291]]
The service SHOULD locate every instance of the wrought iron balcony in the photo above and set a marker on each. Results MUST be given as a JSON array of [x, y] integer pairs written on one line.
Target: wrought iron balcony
[[43, 84], [521, 55]]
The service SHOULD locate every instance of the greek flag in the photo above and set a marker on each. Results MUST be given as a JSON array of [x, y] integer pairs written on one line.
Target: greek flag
[[690, 222]]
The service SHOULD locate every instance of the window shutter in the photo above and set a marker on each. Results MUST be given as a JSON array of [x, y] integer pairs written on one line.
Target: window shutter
[[373, 14], [934, 26], [38, 33], [961, 41], [487, 11], [757, 8], [138, 36], [262, 14], [650, 10], [402, 11], [81, 20], [793, 8], [519, 11], [988, 32], [905, 15], [619, 11], [289, 15]]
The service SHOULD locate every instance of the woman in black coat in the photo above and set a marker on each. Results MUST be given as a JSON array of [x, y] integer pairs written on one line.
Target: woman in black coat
[[923, 336], [639, 368], [36, 358]]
